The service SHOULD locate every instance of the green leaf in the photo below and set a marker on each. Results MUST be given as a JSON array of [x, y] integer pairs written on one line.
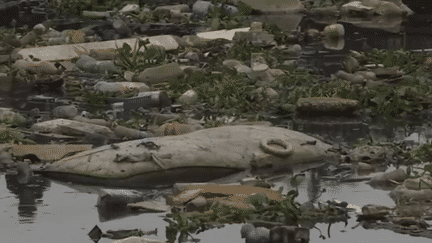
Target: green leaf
[[168, 220], [143, 43], [428, 168], [293, 193], [126, 48], [183, 236], [378, 100], [244, 9], [171, 234]]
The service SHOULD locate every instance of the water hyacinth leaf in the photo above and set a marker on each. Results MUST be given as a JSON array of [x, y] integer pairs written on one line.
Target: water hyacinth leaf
[[143, 43], [401, 91], [257, 200], [183, 237], [168, 221], [126, 48], [171, 233], [425, 183], [244, 9], [428, 168], [156, 53], [378, 100], [136, 60], [292, 194]]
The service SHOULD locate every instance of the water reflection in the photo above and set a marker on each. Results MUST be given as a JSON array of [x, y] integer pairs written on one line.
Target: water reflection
[[29, 195], [418, 41], [362, 34], [313, 186], [108, 213], [326, 57]]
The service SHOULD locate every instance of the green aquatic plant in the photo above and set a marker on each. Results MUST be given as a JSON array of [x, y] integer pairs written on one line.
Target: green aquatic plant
[[226, 91], [212, 122], [295, 86], [326, 3], [16, 121], [179, 224], [242, 51], [75, 7], [145, 17], [335, 88], [8, 135], [409, 96], [136, 60], [424, 154], [244, 9], [218, 19], [231, 92], [96, 101], [384, 101], [94, 98], [288, 207], [285, 209], [426, 170], [9, 41], [222, 213], [280, 36], [138, 121], [407, 61], [297, 78], [301, 84]]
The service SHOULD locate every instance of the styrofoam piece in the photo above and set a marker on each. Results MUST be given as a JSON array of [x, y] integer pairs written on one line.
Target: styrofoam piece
[[221, 34], [67, 52]]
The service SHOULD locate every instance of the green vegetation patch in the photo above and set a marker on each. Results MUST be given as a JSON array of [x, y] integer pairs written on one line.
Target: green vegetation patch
[[406, 61], [188, 223], [138, 121], [410, 94], [136, 60], [218, 19], [285, 210], [325, 3], [12, 136], [226, 91], [76, 7]]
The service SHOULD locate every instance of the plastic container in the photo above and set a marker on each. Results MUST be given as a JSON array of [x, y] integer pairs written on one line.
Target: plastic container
[[146, 100]]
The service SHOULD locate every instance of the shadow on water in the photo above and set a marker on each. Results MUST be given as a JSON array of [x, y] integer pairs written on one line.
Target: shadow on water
[[110, 212], [417, 32], [331, 130], [29, 195]]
